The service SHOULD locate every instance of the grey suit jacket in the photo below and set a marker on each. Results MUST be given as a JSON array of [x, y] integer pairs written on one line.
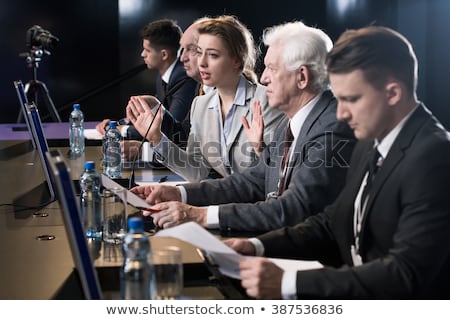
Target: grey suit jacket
[[319, 165], [203, 147], [405, 236]]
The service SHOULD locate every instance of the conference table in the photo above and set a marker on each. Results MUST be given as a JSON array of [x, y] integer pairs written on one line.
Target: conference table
[[36, 258]]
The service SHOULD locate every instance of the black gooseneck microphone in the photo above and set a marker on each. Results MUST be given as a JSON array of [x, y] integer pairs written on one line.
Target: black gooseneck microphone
[[175, 87], [131, 182]]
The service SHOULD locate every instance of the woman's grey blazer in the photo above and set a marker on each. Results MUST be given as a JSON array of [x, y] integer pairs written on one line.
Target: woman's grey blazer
[[203, 151]]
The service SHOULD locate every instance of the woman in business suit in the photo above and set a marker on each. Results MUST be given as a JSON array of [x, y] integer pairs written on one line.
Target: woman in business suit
[[221, 138]]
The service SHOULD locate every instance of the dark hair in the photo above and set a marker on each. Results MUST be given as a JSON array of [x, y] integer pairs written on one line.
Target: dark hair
[[163, 34], [381, 53], [237, 38]]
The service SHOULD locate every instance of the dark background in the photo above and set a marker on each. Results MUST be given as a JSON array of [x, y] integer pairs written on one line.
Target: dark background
[[100, 42]]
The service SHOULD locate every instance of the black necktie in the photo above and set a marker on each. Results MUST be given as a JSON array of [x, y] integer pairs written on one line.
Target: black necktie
[[372, 168], [287, 145]]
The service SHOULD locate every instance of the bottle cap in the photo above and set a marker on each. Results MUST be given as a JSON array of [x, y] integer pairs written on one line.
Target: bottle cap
[[76, 106], [113, 124], [135, 223], [89, 165]]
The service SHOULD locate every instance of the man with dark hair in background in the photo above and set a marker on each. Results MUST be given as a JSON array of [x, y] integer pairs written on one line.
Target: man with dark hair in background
[[176, 90]]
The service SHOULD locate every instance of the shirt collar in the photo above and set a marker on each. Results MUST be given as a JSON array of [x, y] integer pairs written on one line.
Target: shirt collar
[[299, 118], [166, 76], [385, 145], [207, 89], [239, 98]]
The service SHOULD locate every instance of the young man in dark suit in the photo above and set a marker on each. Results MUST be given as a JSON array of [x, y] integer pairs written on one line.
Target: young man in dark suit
[[188, 59], [392, 241], [174, 88]]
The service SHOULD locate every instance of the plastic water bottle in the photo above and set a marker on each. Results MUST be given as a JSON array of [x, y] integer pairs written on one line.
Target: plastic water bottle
[[112, 153], [90, 201], [136, 274], [76, 130]]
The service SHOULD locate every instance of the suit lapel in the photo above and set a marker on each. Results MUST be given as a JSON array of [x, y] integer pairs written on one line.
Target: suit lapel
[[345, 206], [176, 75], [315, 113], [303, 136], [241, 111], [212, 117], [159, 90], [397, 152]]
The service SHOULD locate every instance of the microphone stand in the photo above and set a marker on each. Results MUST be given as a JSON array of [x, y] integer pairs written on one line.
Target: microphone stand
[[95, 91], [131, 182], [172, 90]]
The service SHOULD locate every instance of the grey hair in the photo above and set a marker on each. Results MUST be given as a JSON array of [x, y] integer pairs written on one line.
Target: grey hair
[[302, 45]]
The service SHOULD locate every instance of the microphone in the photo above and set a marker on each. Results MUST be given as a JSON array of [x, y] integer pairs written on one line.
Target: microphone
[[172, 90], [131, 182]]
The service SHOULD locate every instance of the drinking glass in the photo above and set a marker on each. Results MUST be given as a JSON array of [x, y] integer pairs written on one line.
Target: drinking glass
[[167, 273], [114, 214]]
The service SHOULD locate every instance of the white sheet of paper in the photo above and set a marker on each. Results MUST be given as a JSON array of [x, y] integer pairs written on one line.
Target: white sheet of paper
[[223, 256], [198, 236], [92, 134], [151, 183], [132, 199], [293, 265]]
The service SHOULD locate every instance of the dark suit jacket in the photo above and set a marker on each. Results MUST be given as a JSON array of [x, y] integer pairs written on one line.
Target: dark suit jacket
[[319, 165], [179, 102], [405, 237]]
